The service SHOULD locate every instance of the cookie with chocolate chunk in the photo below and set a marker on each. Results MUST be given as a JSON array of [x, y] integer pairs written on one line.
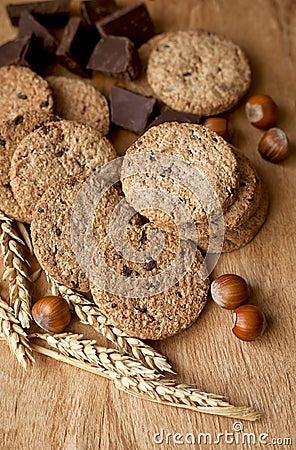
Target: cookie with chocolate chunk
[[211, 157], [11, 134], [154, 285], [53, 153], [248, 194], [80, 101], [51, 234], [22, 90], [198, 72]]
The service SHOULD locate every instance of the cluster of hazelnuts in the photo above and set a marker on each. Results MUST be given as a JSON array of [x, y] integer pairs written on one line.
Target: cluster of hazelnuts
[[262, 112], [231, 292]]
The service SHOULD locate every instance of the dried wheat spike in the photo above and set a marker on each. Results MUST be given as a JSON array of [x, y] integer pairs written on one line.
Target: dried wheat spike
[[90, 314], [16, 270], [132, 377], [14, 334]]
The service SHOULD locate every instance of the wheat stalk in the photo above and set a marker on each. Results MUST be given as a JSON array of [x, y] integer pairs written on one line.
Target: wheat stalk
[[90, 314], [16, 270], [131, 376], [14, 334]]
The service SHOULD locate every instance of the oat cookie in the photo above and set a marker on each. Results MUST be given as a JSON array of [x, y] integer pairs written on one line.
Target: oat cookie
[[248, 195], [52, 153], [80, 101], [22, 90], [240, 236], [160, 315], [201, 149], [51, 236], [11, 134], [236, 238], [198, 72]]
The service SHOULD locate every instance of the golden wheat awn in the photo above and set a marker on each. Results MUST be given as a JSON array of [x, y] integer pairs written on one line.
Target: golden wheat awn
[[16, 270]]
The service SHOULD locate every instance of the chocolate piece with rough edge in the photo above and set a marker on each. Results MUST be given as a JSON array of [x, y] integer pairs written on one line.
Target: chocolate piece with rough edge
[[130, 111], [53, 14], [47, 43], [23, 51], [76, 46], [95, 10], [133, 22], [169, 115], [15, 52], [117, 57]]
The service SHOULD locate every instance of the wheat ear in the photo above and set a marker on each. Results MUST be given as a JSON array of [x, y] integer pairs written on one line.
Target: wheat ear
[[14, 334], [130, 376], [90, 314], [16, 270]]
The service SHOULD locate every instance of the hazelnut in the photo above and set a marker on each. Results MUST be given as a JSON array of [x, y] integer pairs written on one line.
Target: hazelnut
[[261, 111], [219, 125], [52, 314], [249, 322], [229, 291], [273, 145]]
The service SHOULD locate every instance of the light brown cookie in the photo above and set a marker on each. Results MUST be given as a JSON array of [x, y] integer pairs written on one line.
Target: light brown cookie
[[80, 101], [160, 315], [201, 149], [51, 234], [22, 90], [198, 72], [53, 153], [236, 238], [248, 195], [11, 134]]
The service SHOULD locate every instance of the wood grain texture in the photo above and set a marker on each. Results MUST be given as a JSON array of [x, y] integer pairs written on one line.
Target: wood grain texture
[[53, 406]]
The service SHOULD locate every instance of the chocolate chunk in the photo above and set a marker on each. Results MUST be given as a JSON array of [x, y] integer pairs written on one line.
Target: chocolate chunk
[[133, 22], [95, 10], [28, 24], [150, 264], [16, 52], [169, 115], [76, 46], [130, 111], [126, 271], [53, 14], [117, 57]]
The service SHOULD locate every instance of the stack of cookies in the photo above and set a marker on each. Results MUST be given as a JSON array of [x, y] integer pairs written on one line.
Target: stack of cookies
[[153, 281]]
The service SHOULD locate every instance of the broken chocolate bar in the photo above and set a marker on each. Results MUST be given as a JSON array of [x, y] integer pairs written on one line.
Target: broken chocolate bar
[[47, 43], [52, 14], [169, 115], [133, 22], [95, 10], [117, 57], [130, 111], [76, 46]]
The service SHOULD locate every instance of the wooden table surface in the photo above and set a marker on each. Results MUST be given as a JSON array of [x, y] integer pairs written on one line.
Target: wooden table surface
[[54, 406]]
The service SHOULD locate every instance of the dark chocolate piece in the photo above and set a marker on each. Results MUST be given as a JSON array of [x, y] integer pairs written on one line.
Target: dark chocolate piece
[[169, 115], [117, 57], [95, 10], [47, 43], [76, 46], [24, 51], [130, 111], [133, 22], [52, 14]]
